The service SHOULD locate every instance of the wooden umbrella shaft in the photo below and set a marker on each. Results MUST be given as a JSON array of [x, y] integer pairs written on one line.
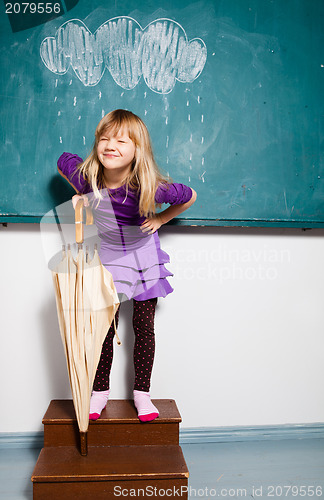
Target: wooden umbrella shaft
[[84, 443]]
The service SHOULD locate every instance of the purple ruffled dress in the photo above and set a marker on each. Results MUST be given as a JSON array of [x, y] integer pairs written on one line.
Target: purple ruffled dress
[[135, 259]]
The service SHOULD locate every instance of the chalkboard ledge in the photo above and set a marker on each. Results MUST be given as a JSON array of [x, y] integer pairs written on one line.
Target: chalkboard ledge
[[307, 224]]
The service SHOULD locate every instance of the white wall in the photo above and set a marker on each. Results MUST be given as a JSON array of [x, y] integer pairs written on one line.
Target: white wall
[[239, 342]]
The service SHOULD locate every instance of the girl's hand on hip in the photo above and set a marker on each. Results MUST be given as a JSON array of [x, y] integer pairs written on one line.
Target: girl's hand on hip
[[151, 224], [78, 197]]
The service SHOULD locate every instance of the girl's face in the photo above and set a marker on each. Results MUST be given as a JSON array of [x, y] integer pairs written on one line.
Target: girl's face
[[116, 153]]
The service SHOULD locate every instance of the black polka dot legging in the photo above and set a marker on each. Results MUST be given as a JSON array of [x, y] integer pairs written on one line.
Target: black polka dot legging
[[144, 348]]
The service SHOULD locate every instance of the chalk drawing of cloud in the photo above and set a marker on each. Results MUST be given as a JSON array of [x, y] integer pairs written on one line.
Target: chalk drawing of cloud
[[161, 53]]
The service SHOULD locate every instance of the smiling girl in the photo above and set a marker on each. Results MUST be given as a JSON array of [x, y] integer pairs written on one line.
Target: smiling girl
[[123, 184]]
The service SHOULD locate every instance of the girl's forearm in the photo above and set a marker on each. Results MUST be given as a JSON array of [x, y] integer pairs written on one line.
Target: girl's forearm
[[175, 210]]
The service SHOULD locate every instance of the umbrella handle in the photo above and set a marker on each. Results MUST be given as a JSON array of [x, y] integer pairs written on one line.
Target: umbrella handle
[[79, 235], [79, 221]]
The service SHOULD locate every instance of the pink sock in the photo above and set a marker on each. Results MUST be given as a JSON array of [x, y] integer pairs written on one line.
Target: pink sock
[[98, 402], [145, 408]]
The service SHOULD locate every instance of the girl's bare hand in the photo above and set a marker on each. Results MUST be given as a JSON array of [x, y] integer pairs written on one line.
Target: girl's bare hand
[[78, 197], [151, 224]]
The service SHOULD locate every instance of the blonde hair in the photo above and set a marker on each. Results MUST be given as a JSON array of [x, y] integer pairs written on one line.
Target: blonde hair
[[144, 176]]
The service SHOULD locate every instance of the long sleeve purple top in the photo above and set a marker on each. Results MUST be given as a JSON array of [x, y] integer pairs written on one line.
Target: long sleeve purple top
[[135, 259]]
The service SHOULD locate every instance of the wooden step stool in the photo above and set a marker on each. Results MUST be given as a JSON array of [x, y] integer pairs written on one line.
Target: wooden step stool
[[126, 458]]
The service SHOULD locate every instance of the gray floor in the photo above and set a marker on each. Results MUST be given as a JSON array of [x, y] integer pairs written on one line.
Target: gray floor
[[251, 469], [257, 469]]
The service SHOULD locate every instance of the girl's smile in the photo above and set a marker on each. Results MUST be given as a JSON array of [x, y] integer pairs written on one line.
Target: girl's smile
[[116, 154]]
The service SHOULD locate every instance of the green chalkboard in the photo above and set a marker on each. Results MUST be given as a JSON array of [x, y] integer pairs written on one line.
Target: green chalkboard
[[232, 92]]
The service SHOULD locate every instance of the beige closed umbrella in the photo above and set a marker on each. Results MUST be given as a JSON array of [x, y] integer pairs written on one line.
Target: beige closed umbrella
[[87, 302]]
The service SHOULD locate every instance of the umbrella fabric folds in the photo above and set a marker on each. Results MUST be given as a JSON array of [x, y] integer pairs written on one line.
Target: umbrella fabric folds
[[87, 302]]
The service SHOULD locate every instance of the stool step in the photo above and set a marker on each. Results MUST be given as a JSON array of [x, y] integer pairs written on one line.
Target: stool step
[[61, 472], [118, 425]]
